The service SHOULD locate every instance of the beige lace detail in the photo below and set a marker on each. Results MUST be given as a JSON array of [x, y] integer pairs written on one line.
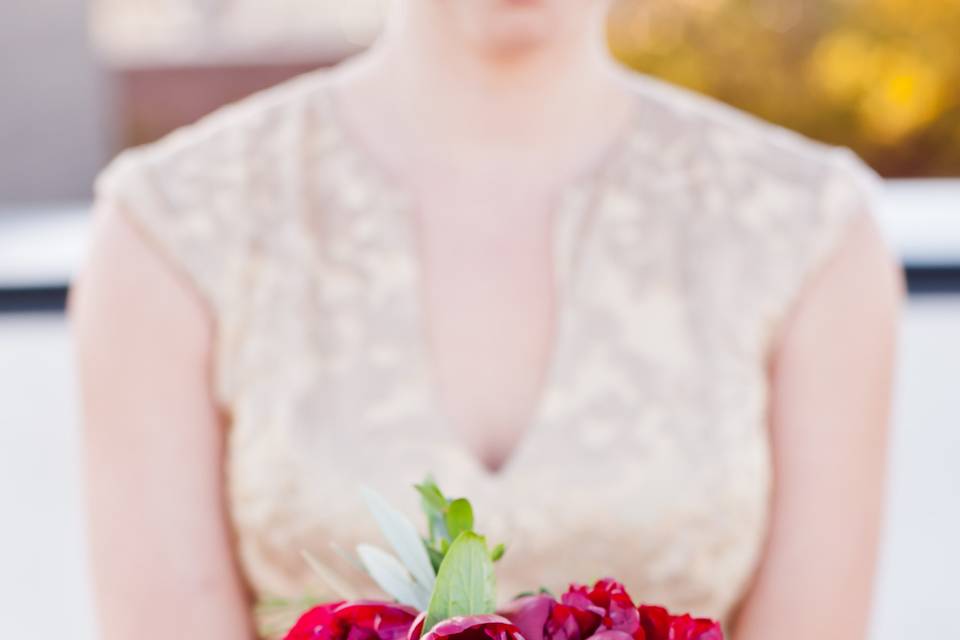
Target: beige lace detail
[[680, 256]]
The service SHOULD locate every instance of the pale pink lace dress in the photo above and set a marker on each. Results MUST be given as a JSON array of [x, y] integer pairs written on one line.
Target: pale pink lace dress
[[677, 259]]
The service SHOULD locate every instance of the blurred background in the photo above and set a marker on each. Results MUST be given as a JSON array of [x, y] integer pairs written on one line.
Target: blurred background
[[80, 80]]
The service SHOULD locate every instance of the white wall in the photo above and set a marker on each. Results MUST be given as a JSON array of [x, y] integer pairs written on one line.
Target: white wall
[[52, 104], [917, 587]]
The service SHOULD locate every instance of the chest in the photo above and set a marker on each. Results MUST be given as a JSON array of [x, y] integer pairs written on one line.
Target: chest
[[488, 308]]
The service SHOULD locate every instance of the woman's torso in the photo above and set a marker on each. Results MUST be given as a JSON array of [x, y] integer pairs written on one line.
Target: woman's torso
[[645, 455]]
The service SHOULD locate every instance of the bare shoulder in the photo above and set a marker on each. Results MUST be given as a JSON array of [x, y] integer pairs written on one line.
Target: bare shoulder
[[188, 206], [863, 266], [127, 299], [852, 301]]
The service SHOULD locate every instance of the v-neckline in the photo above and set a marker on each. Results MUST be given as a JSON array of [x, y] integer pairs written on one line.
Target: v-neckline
[[571, 214]]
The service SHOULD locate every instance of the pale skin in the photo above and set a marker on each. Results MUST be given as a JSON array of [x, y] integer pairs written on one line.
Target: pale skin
[[519, 94]]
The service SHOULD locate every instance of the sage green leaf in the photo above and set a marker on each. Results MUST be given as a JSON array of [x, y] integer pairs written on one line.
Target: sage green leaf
[[390, 574], [403, 537], [465, 582], [459, 517], [329, 577], [350, 559], [498, 552]]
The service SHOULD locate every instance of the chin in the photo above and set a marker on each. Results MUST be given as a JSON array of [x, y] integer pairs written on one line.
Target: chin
[[506, 26]]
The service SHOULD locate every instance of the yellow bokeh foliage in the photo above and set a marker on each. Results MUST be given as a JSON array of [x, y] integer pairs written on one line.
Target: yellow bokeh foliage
[[880, 76]]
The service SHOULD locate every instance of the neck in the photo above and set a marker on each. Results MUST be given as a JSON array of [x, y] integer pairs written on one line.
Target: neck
[[494, 87]]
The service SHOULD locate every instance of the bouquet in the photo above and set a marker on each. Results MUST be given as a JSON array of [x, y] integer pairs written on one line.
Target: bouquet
[[444, 589]]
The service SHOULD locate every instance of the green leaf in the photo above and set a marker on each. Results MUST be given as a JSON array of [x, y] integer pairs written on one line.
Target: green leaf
[[432, 496], [459, 517], [403, 537], [465, 582], [436, 558], [498, 552], [434, 505], [392, 576], [438, 527]]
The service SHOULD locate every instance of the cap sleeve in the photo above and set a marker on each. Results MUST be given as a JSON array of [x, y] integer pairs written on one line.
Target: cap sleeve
[[183, 195], [850, 190], [845, 190]]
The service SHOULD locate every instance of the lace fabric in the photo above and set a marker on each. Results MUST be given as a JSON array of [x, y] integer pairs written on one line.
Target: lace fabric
[[648, 458]]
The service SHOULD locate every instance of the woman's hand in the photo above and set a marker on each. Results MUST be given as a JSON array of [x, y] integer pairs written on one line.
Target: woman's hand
[[831, 387], [161, 551]]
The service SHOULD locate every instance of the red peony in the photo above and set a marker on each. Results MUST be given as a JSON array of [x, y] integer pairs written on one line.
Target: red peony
[[610, 604], [481, 627], [603, 612], [687, 628], [530, 614], [361, 620], [655, 621]]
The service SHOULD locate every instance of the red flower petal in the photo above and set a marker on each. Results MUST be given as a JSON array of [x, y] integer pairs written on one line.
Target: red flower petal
[[360, 620], [315, 623], [569, 623], [611, 634], [687, 628], [610, 601], [655, 621], [530, 614], [416, 629], [485, 627]]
